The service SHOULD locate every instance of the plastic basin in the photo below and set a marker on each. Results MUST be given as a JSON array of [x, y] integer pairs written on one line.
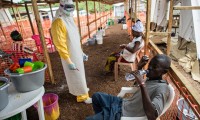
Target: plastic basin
[[4, 83], [28, 81]]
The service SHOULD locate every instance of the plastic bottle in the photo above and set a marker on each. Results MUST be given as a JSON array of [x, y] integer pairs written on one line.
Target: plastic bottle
[[130, 76]]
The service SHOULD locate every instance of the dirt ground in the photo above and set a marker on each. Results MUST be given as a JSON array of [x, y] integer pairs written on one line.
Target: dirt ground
[[96, 79]]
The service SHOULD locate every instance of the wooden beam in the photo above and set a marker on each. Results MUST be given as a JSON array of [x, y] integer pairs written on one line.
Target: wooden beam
[[159, 33], [97, 19], [170, 27], [78, 18], [95, 14], [87, 17], [131, 13], [186, 7], [29, 18], [42, 39], [148, 17]]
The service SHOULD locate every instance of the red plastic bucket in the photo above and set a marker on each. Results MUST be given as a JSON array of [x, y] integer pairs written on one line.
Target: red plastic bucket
[[51, 106]]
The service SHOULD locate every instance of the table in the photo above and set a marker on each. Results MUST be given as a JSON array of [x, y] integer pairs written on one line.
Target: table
[[19, 102]]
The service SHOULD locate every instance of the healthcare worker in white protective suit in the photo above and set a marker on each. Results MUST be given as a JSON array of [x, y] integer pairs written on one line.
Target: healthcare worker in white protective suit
[[67, 41]]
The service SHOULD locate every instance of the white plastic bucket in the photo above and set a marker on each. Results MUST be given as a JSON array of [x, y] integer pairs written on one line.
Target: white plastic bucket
[[124, 26], [184, 111], [99, 41]]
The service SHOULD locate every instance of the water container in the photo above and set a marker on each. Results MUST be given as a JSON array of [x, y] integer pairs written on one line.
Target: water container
[[184, 111], [91, 41], [4, 83], [99, 40], [124, 27], [51, 106]]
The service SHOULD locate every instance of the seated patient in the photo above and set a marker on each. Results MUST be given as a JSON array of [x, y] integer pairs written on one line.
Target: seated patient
[[128, 51], [148, 100]]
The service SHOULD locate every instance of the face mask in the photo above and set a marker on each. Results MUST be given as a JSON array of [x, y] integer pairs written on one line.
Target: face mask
[[68, 9], [70, 14]]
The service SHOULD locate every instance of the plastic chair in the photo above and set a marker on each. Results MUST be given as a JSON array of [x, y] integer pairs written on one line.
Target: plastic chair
[[131, 64], [125, 90], [39, 45]]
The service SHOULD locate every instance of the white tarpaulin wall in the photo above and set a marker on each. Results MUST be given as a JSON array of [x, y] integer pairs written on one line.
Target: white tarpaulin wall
[[160, 11], [189, 28]]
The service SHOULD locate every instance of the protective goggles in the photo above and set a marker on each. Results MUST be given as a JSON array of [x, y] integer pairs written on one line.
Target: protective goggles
[[68, 7]]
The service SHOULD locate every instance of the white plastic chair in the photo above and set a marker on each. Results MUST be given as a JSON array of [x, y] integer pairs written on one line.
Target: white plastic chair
[[125, 90]]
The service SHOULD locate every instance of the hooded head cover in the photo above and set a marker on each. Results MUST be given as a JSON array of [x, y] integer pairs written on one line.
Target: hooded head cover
[[66, 8], [138, 26]]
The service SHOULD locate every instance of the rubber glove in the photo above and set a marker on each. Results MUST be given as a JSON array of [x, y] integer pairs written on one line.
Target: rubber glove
[[71, 65], [85, 57]]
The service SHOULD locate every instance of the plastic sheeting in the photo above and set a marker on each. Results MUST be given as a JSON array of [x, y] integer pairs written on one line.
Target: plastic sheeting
[[160, 11], [189, 26]]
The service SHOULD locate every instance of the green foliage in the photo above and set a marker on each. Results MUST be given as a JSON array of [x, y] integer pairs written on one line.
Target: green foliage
[[82, 6]]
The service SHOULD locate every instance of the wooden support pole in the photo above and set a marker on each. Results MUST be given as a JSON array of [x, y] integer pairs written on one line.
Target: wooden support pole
[[87, 18], [18, 13], [95, 13], [186, 7], [100, 11], [3, 32], [21, 27], [159, 33], [78, 18], [51, 9], [29, 18], [16, 19], [41, 33], [135, 10], [148, 17], [170, 27], [131, 13]]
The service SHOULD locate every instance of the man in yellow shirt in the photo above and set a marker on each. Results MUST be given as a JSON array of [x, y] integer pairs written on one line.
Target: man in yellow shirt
[[67, 41]]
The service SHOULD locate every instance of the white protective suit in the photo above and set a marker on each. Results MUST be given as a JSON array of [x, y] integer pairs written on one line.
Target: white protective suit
[[75, 78]]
